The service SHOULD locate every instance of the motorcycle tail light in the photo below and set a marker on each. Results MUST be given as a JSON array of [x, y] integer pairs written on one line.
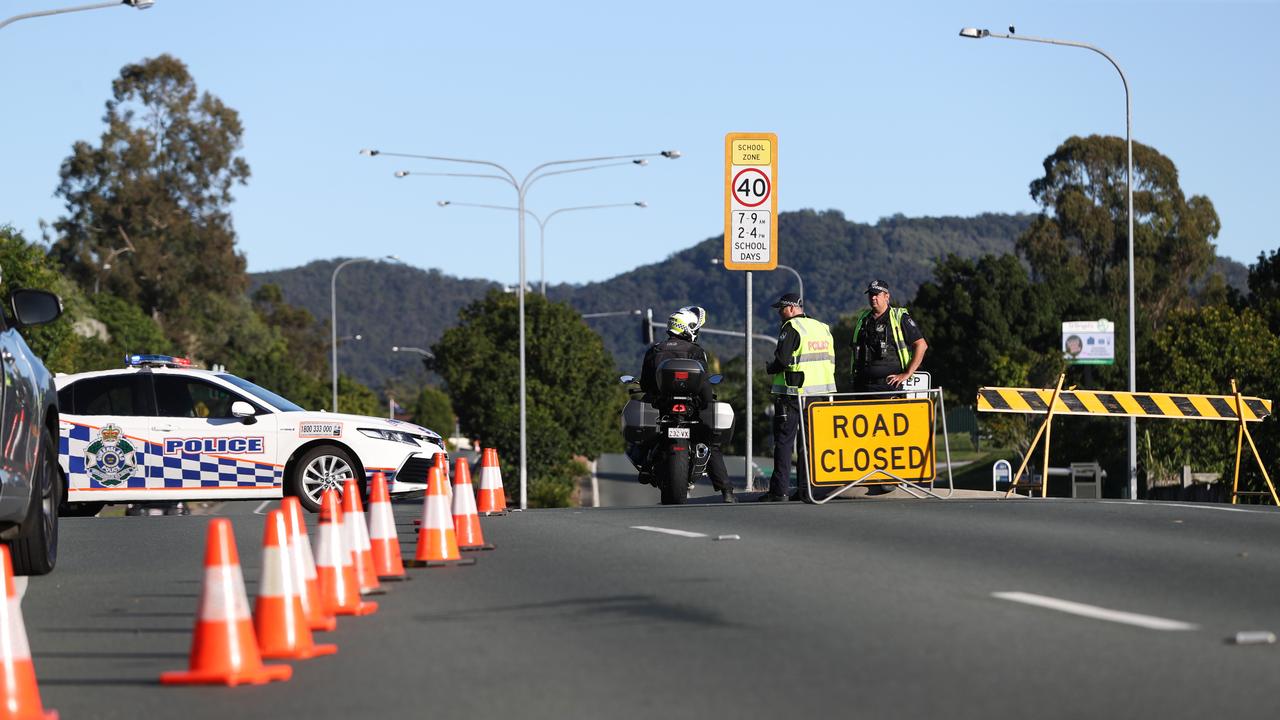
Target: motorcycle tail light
[[682, 375], [679, 408]]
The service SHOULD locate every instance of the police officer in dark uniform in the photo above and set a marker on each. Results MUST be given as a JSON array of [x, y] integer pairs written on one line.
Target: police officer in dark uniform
[[681, 342], [887, 344]]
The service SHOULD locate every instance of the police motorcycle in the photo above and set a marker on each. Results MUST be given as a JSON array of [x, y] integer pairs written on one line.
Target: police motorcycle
[[669, 436]]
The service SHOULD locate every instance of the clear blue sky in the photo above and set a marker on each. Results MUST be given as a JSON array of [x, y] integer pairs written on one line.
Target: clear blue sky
[[880, 108]]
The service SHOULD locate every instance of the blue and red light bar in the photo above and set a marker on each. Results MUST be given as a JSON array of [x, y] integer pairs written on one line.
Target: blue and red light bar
[[156, 361]]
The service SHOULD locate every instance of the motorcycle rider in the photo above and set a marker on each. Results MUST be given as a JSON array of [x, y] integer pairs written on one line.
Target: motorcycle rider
[[682, 342]]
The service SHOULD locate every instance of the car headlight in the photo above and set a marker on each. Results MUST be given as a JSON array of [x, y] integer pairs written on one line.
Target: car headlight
[[394, 435]]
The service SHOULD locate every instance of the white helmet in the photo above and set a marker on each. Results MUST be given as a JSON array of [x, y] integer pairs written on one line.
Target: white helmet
[[684, 323]]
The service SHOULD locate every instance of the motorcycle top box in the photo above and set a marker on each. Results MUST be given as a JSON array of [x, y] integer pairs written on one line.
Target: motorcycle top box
[[678, 377]]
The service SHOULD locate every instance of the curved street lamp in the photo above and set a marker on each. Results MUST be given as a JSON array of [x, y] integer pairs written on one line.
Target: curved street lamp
[[978, 34], [333, 316], [799, 280], [139, 4], [522, 188], [542, 225]]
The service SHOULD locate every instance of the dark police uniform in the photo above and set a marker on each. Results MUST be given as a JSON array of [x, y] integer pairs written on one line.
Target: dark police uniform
[[879, 351]]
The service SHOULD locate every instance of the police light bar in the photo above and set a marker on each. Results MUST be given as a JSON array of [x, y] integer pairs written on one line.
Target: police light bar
[[156, 361]]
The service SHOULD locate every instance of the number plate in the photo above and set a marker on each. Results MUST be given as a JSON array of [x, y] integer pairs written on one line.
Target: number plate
[[678, 433]]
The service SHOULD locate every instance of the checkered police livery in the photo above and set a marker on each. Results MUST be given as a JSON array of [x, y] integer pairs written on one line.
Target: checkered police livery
[[157, 470], [160, 429]]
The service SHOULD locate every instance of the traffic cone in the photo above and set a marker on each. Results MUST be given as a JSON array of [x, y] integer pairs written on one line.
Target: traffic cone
[[466, 523], [356, 533], [18, 683], [335, 574], [493, 499], [279, 620], [437, 542], [383, 540], [304, 567], [224, 649], [442, 463]]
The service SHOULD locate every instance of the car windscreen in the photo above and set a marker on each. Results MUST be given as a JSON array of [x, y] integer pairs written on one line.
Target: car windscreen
[[262, 394]]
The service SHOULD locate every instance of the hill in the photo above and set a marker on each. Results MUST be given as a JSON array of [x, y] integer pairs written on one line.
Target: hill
[[835, 257]]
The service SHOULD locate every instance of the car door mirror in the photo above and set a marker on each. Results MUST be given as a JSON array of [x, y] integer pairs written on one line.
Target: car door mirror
[[34, 307], [244, 411]]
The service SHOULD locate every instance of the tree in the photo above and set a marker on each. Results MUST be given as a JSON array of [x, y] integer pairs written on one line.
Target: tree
[[1201, 351], [1079, 247], [433, 410], [152, 198], [574, 399]]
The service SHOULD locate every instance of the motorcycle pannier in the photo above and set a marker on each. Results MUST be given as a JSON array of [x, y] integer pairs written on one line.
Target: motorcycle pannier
[[638, 420], [719, 417]]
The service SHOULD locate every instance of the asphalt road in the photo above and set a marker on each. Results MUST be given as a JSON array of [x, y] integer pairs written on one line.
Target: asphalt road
[[863, 608]]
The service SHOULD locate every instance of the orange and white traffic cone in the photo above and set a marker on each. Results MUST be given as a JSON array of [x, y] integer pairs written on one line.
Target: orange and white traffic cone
[[383, 541], [466, 523], [335, 574], [437, 542], [356, 532], [279, 620], [224, 649], [18, 677], [304, 567], [442, 463], [493, 499]]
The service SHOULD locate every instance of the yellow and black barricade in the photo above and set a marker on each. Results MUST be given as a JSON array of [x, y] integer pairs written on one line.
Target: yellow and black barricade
[[1177, 406]]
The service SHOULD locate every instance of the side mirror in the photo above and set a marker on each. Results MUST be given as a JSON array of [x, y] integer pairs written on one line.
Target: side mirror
[[34, 307], [715, 379], [244, 411], [627, 379]]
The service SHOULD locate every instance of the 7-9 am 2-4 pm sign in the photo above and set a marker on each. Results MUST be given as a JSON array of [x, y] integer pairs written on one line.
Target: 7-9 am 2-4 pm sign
[[872, 441]]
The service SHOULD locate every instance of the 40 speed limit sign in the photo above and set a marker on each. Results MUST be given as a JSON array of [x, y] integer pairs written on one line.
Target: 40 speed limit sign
[[751, 201]]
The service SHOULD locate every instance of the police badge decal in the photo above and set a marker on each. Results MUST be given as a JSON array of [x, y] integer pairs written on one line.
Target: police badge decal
[[109, 458]]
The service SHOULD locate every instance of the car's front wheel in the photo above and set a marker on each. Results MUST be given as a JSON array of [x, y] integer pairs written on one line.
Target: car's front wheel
[[322, 468], [35, 551]]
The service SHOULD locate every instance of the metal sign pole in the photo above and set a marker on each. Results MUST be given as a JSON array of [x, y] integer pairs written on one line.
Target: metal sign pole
[[749, 464]]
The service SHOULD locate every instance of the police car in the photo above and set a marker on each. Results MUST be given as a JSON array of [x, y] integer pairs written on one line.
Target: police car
[[161, 430]]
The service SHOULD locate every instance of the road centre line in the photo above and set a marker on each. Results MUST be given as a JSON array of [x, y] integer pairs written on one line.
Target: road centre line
[[668, 531], [1149, 622]]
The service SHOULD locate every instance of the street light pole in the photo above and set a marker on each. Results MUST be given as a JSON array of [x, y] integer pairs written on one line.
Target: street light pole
[[522, 187], [333, 317], [799, 280], [542, 225], [139, 4], [976, 33]]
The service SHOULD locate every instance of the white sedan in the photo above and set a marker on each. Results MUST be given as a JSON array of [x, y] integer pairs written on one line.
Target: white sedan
[[160, 430]]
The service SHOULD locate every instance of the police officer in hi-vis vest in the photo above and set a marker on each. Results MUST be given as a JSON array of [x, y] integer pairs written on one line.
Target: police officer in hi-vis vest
[[887, 344], [803, 365]]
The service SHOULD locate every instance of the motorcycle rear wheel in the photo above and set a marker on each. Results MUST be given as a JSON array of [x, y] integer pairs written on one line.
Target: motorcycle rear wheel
[[675, 478]]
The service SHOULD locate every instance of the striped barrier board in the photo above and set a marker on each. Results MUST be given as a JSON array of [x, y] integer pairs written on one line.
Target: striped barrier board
[[1121, 404]]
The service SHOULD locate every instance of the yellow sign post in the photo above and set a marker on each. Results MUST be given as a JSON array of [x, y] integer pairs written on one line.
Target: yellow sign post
[[871, 442], [751, 201]]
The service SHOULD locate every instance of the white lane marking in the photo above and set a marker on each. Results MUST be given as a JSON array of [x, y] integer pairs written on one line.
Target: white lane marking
[[668, 531], [1191, 506], [1097, 613], [260, 508]]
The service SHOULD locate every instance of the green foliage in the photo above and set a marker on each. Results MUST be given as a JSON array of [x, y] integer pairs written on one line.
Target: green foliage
[[573, 398], [148, 206], [354, 398], [24, 265], [433, 410], [1201, 351]]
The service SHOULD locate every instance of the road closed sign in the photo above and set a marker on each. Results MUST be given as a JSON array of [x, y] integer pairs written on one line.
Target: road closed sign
[[871, 440], [751, 201]]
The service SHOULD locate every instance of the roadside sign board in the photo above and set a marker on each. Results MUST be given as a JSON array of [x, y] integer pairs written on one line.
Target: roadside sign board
[[879, 440], [751, 201], [918, 382], [1001, 472], [1089, 342]]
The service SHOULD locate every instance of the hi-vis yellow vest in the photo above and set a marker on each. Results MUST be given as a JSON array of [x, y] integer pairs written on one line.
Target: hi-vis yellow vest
[[815, 357], [895, 328]]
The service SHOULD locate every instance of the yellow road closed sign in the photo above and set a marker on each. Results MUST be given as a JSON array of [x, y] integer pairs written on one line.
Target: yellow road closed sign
[[875, 440]]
